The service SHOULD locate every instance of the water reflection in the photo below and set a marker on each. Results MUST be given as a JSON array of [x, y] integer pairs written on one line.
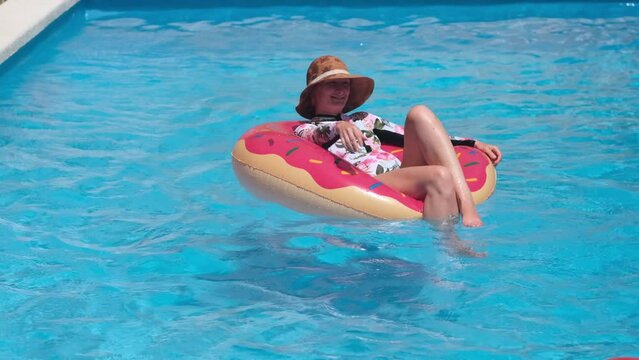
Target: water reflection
[[349, 277]]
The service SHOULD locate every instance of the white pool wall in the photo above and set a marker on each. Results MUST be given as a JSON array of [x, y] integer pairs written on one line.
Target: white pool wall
[[22, 20]]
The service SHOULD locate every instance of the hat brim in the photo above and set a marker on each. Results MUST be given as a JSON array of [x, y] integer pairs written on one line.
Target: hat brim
[[361, 89]]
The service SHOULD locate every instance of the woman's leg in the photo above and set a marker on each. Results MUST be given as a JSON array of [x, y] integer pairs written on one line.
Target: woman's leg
[[426, 142], [433, 184]]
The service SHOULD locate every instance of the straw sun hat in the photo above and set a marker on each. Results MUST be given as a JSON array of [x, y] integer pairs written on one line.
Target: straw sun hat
[[329, 67]]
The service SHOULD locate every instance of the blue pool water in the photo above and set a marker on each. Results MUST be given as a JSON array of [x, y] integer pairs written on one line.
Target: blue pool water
[[125, 235]]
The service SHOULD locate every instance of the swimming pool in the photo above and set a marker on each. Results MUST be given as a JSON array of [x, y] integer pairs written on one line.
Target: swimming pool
[[126, 235]]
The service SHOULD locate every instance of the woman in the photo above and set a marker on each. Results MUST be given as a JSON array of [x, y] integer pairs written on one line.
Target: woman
[[429, 170]]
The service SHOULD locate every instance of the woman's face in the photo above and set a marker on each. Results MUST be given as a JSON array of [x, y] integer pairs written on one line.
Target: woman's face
[[330, 97]]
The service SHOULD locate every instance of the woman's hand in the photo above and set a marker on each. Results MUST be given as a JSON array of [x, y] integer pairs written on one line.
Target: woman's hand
[[351, 136], [492, 151]]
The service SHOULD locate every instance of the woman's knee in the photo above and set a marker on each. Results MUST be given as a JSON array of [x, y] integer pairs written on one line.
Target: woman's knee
[[421, 114], [440, 180]]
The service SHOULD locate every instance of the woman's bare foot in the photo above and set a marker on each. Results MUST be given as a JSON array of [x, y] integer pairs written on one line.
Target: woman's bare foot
[[472, 220], [470, 216], [465, 250], [447, 230]]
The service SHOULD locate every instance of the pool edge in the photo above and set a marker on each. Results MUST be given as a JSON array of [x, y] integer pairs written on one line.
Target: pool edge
[[22, 20]]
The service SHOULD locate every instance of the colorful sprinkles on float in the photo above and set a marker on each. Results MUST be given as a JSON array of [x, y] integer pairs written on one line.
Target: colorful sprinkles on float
[[276, 165]]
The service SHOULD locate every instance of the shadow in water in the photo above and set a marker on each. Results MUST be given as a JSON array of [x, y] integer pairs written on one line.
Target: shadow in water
[[361, 281]]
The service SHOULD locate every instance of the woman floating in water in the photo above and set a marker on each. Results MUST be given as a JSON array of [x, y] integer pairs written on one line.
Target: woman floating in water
[[429, 171]]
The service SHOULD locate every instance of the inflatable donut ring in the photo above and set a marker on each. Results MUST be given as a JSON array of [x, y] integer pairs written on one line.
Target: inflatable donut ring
[[275, 164]]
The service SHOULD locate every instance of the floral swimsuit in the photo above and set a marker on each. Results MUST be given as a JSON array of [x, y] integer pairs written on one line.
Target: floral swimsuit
[[370, 158]]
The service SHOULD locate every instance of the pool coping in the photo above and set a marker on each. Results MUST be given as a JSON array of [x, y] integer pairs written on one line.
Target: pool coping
[[22, 20]]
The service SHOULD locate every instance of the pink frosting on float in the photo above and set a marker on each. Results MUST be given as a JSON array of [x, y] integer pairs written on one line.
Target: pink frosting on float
[[330, 172]]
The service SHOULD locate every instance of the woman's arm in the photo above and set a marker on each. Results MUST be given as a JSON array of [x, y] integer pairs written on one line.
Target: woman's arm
[[392, 133], [319, 133], [459, 141], [389, 132], [327, 132], [492, 151]]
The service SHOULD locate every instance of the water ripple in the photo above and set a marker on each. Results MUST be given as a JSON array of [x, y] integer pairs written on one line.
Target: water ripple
[[126, 233]]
